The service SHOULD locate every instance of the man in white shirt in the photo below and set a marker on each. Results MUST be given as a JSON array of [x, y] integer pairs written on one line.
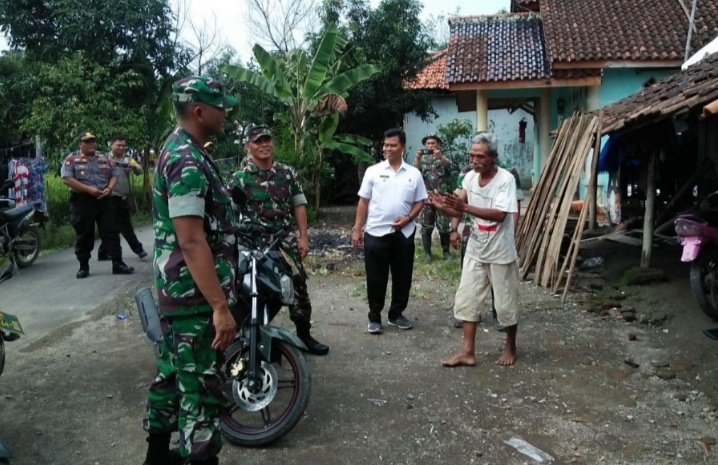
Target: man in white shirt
[[488, 194], [392, 194]]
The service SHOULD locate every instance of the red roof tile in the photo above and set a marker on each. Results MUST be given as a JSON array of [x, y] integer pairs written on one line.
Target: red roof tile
[[431, 77], [691, 89], [624, 30], [496, 48]]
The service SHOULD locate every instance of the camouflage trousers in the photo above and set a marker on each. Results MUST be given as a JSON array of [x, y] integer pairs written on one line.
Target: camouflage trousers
[[301, 310], [431, 216], [187, 392]]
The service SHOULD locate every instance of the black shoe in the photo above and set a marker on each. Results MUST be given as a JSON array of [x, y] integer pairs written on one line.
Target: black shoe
[[374, 328], [103, 258], [314, 347], [122, 268], [142, 254], [173, 458], [400, 322], [83, 273]]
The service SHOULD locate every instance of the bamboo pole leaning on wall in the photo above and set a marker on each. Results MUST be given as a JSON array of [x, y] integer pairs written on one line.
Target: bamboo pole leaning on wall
[[542, 230]]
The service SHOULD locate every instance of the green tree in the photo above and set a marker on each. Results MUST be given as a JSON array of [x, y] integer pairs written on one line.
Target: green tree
[[128, 32], [455, 138], [73, 93], [17, 85], [309, 88], [393, 36]]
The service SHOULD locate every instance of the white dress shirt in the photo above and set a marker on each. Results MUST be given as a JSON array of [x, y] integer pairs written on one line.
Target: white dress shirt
[[391, 195]]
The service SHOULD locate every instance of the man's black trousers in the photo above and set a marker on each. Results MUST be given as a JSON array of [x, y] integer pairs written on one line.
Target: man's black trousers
[[123, 221], [85, 212], [383, 253]]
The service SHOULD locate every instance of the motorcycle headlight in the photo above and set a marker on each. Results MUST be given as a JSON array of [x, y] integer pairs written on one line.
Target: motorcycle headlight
[[287, 290], [688, 228]]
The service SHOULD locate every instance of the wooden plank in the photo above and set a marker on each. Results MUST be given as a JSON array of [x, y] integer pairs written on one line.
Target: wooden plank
[[536, 227], [557, 234], [593, 185], [623, 239], [562, 179], [560, 214], [650, 211]]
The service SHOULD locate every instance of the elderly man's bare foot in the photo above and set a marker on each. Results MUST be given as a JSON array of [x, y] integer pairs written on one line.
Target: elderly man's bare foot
[[462, 359], [508, 357]]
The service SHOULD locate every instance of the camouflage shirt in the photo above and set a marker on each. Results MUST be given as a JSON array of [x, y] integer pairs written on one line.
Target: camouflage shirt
[[436, 175], [188, 184], [272, 195]]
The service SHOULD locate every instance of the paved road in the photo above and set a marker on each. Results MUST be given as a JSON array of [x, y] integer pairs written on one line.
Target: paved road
[[47, 296]]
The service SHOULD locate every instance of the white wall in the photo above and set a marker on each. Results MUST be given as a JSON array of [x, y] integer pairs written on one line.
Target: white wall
[[503, 124]]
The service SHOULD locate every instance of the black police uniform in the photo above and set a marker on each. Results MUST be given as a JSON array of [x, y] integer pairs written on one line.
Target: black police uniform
[[86, 210]]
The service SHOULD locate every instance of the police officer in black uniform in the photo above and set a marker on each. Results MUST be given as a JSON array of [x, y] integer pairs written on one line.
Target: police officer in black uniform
[[91, 176]]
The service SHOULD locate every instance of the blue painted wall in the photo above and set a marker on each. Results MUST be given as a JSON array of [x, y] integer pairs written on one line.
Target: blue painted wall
[[500, 122]]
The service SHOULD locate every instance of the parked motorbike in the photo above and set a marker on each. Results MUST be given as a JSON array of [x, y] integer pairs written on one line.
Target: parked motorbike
[[698, 231], [268, 378], [10, 330], [19, 230]]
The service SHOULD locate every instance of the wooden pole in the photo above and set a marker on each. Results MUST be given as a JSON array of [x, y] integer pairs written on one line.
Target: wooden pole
[[593, 185], [650, 210]]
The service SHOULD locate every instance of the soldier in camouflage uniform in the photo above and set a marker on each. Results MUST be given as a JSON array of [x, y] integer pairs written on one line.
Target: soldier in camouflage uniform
[[195, 263], [276, 202], [435, 169]]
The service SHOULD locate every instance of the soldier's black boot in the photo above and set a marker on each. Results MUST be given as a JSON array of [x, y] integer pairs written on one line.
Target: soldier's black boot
[[121, 268], [314, 347], [212, 461], [159, 453], [426, 242], [445, 242], [84, 271]]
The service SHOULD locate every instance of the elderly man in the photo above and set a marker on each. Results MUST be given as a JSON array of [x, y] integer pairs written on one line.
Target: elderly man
[[488, 195]]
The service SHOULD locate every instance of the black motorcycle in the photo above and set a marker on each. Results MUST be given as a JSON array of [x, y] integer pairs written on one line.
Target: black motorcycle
[[268, 377], [19, 231]]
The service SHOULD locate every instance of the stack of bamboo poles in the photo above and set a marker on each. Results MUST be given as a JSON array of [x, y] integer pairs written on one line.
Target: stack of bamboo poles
[[543, 227]]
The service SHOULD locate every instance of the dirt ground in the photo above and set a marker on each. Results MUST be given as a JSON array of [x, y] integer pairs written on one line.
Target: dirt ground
[[79, 398]]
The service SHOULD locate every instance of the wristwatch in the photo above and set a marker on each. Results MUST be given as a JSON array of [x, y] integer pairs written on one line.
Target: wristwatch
[[454, 230]]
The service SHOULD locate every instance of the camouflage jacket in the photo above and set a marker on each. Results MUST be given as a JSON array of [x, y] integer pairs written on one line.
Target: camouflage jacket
[[188, 184], [272, 195], [436, 175]]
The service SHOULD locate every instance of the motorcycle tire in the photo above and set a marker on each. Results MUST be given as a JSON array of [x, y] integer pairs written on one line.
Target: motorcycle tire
[[27, 247], [704, 272], [250, 436]]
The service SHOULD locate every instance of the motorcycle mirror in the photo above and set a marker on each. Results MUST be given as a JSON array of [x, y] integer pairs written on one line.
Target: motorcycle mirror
[[239, 196], [7, 184]]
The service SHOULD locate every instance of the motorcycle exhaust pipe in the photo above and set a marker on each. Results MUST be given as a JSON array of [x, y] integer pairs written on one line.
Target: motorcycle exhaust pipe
[[149, 314]]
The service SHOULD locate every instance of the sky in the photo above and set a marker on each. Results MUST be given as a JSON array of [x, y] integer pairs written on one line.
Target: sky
[[229, 16]]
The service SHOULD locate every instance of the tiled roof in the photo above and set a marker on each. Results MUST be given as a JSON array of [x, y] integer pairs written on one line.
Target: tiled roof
[[431, 77], [519, 6], [496, 48], [640, 30], [693, 88]]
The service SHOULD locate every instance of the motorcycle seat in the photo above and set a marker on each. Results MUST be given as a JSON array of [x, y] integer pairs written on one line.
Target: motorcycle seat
[[15, 213]]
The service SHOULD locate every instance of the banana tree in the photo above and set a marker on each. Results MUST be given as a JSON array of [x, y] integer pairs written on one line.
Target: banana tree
[[308, 86], [326, 141]]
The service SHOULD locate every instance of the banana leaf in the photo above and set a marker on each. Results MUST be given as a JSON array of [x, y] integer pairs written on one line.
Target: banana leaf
[[357, 153], [320, 64]]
